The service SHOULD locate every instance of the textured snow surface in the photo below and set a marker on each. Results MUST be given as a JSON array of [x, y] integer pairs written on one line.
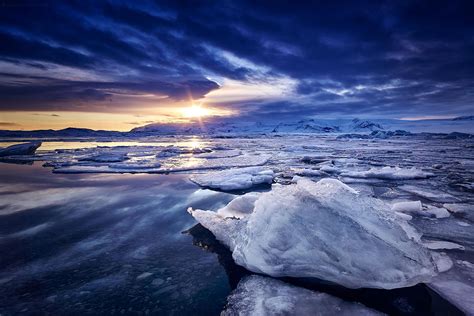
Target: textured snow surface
[[20, 149], [235, 179], [392, 173], [257, 295], [323, 230]]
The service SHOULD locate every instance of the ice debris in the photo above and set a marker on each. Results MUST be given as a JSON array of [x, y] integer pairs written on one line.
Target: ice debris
[[257, 295], [324, 230]]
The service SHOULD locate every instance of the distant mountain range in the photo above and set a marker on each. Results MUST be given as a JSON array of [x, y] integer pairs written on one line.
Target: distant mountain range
[[227, 126]]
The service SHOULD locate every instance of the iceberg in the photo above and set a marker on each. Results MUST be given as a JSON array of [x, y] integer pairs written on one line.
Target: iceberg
[[389, 173], [257, 295], [235, 179], [324, 230], [20, 149]]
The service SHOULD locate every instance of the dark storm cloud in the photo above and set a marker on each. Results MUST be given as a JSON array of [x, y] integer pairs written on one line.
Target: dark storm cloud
[[348, 58]]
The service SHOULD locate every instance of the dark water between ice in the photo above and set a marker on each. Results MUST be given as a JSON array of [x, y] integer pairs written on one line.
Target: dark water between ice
[[114, 244]]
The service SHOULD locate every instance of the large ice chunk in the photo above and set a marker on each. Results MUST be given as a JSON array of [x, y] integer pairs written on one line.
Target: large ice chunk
[[20, 149], [235, 179], [324, 230], [257, 295]]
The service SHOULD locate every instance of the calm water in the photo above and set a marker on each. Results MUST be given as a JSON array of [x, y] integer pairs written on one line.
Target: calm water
[[78, 244], [124, 244], [192, 142]]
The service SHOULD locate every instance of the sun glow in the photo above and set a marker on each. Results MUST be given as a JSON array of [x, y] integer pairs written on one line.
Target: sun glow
[[196, 111]]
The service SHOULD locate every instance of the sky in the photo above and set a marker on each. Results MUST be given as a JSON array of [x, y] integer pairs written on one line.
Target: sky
[[121, 64]]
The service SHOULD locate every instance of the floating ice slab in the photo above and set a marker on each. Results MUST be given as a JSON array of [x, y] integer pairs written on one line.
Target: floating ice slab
[[389, 173], [257, 295], [246, 160], [20, 149], [458, 293], [438, 212], [459, 208], [105, 157], [435, 196], [235, 179], [413, 207], [324, 230], [437, 245]]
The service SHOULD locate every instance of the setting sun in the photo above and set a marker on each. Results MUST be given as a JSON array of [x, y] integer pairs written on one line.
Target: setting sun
[[196, 111]]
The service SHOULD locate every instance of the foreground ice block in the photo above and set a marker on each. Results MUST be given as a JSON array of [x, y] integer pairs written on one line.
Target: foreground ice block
[[20, 149], [324, 230], [257, 295]]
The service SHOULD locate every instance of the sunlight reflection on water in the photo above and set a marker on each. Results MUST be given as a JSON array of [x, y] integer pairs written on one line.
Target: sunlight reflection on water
[[193, 142]]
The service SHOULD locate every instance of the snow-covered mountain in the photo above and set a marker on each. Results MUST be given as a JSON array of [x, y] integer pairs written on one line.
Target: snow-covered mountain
[[67, 132], [226, 126], [240, 127]]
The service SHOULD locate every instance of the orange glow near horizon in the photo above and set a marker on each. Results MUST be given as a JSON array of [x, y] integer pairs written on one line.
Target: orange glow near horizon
[[29, 120]]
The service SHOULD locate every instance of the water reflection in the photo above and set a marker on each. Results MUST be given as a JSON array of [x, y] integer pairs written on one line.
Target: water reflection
[[192, 142], [104, 244]]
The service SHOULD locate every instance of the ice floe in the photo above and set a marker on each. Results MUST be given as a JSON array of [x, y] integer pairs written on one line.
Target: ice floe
[[459, 208], [432, 195], [456, 292], [257, 295], [235, 179], [324, 230], [390, 173], [20, 149], [413, 207], [438, 212], [437, 245]]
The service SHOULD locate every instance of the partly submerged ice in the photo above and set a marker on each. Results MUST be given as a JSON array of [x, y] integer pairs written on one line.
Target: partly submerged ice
[[20, 149], [257, 295], [235, 179], [324, 230]]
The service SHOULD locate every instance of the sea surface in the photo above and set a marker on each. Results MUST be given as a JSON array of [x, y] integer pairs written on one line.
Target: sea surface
[[112, 244], [104, 244]]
